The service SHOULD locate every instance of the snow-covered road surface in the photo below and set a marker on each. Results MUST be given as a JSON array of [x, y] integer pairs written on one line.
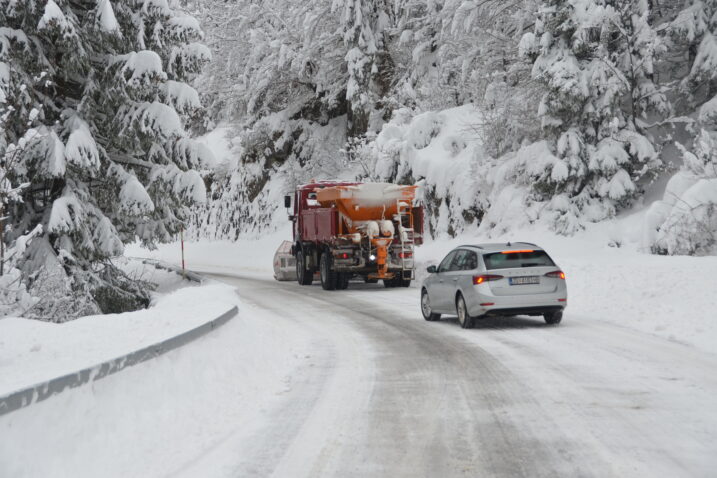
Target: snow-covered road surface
[[387, 394], [310, 383]]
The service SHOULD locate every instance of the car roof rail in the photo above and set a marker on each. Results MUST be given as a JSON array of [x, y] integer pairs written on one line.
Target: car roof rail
[[470, 245]]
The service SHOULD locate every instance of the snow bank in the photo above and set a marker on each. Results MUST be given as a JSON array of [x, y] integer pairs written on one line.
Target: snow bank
[[32, 351], [685, 220], [159, 417]]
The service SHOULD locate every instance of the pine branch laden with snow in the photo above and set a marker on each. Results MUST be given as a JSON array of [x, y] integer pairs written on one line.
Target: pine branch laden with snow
[[595, 61], [95, 104]]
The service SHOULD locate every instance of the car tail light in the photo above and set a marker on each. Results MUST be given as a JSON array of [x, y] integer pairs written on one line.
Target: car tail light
[[556, 274], [405, 255], [487, 303], [562, 300], [485, 278]]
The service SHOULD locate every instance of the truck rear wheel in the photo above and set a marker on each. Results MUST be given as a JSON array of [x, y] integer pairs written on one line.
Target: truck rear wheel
[[328, 277], [343, 281], [391, 283], [303, 276]]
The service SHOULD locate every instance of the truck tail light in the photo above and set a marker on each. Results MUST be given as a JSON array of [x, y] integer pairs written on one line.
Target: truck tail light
[[342, 255], [556, 274], [485, 278], [405, 255]]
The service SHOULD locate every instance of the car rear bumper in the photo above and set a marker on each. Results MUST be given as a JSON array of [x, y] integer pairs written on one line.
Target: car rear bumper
[[539, 310], [538, 304]]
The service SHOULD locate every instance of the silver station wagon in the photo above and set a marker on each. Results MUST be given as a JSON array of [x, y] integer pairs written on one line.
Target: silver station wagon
[[482, 280]]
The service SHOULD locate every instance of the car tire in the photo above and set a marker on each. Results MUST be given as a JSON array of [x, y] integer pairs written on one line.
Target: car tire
[[464, 319], [328, 277], [303, 276], [553, 318], [428, 314]]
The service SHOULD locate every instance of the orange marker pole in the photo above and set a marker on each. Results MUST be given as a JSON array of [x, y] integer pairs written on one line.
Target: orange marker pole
[[181, 237]]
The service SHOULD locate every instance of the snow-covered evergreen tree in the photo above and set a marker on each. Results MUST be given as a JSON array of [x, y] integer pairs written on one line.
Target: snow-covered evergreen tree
[[370, 67], [691, 36], [595, 59], [103, 86]]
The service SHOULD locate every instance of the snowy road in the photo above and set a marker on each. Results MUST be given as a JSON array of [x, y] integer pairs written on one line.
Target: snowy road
[[387, 394]]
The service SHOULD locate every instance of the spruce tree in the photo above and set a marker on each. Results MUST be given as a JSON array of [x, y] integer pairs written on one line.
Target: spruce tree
[[96, 106], [364, 24], [595, 60]]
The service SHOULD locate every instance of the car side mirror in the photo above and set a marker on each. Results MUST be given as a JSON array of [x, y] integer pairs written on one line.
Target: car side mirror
[[287, 202], [431, 269]]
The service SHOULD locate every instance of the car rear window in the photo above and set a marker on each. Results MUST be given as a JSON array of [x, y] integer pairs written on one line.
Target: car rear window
[[512, 260]]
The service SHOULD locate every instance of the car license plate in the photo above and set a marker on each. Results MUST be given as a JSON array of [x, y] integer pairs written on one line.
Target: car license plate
[[524, 280]]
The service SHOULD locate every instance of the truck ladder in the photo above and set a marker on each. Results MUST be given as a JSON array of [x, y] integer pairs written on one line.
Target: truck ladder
[[406, 237]]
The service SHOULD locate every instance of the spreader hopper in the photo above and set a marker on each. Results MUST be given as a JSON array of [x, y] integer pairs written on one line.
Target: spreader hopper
[[368, 202]]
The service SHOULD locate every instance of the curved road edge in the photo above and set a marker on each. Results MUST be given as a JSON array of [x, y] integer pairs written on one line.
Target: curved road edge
[[42, 391]]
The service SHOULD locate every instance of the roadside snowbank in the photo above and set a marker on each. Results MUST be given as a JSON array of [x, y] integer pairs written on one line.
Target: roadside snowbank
[[159, 417], [609, 278], [250, 256], [32, 351]]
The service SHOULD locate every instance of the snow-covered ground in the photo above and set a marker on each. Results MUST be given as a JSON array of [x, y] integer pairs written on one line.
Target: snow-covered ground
[[609, 279], [155, 418], [33, 351], [313, 383]]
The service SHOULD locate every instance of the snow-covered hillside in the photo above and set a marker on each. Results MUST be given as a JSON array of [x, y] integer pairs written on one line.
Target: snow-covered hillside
[[508, 115], [465, 190]]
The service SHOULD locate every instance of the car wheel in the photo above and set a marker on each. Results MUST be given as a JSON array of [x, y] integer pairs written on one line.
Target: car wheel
[[464, 319], [428, 314], [303, 276], [328, 277], [553, 318]]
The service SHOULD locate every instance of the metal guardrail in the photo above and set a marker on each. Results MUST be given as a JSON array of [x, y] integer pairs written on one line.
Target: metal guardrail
[[192, 276], [45, 390]]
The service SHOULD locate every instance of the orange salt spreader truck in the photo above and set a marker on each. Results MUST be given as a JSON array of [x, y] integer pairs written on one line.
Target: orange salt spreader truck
[[344, 229]]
